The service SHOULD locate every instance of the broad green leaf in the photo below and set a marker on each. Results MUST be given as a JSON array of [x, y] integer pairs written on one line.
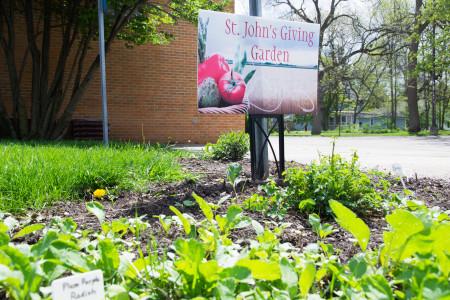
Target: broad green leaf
[[117, 292], [109, 257], [404, 226], [3, 227], [191, 254], [405, 222], [210, 270], [358, 266], [232, 212], [376, 287], [221, 222], [4, 238], [225, 289], [28, 230], [237, 272], [350, 222], [119, 226], [262, 270], [184, 221], [44, 243], [53, 269], [307, 278], [136, 267], [259, 229], [204, 206], [97, 209], [289, 276], [72, 260]]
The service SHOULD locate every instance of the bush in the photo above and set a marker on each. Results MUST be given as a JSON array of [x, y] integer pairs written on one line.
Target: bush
[[230, 146], [333, 178]]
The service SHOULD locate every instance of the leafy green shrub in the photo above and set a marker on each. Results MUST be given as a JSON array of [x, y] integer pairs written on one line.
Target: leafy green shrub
[[230, 146], [332, 178], [378, 129]]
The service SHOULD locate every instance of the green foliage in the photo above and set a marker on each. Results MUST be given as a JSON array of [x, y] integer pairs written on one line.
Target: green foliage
[[350, 222], [33, 175], [322, 230], [230, 146], [206, 263], [274, 203], [333, 178]]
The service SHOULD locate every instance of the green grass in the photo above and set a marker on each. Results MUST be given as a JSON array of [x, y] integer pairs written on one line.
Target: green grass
[[34, 175], [334, 133]]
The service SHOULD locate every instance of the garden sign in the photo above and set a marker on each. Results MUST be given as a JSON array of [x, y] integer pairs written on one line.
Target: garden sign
[[256, 65]]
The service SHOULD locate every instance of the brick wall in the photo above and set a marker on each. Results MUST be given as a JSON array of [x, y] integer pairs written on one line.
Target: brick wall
[[152, 92]]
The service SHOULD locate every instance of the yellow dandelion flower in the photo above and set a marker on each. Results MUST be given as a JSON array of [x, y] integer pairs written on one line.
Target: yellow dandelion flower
[[99, 193]]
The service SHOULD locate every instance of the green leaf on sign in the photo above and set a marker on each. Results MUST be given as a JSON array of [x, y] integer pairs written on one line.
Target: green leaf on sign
[[350, 222], [97, 210], [28, 230], [249, 76]]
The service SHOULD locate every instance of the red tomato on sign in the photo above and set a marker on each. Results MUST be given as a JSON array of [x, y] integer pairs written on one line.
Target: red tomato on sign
[[232, 88], [215, 66]]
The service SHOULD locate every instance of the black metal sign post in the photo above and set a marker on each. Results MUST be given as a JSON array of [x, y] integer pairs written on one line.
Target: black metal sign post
[[258, 126], [257, 148]]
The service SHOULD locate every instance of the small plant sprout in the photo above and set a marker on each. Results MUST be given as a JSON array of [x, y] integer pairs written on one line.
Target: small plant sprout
[[322, 230], [233, 175]]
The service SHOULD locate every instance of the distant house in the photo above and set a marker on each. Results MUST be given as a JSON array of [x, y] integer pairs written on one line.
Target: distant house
[[365, 119], [369, 120]]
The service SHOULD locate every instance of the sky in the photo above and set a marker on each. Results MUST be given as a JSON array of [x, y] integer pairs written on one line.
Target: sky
[[271, 12]]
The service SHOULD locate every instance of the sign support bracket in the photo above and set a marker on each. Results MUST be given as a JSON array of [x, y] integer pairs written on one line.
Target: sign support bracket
[[257, 165]]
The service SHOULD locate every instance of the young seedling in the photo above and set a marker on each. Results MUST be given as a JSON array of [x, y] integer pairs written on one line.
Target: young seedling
[[233, 176]]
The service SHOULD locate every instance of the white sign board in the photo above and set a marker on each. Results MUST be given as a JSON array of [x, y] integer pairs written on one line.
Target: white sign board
[[84, 286], [256, 65]]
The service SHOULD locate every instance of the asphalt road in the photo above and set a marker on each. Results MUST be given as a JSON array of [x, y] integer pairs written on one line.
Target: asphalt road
[[424, 156]]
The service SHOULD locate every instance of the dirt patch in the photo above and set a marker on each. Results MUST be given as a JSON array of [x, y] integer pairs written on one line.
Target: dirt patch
[[211, 185]]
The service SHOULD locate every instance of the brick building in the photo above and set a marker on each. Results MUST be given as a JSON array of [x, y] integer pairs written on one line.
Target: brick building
[[152, 92]]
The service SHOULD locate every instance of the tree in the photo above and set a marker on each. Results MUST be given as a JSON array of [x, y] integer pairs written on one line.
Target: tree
[[414, 36], [55, 93], [365, 84], [362, 41], [434, 59]]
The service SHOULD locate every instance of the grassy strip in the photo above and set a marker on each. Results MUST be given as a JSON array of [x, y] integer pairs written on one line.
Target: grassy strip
[[334, 133], [33, 175]]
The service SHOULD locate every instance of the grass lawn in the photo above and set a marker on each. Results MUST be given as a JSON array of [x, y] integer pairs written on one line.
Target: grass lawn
[[34, 174], [333, 133]]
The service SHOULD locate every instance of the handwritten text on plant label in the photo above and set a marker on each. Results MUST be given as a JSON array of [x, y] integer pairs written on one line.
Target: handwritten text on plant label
[[86, 286]]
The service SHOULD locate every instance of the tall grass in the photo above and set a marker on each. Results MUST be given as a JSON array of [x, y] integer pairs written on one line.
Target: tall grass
[[33, 175]]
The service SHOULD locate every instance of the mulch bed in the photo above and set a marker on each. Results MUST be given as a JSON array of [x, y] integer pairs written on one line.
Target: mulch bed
[[211, 185]]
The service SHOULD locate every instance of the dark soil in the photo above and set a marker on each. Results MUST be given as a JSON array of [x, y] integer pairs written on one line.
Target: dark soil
[[211, 185]]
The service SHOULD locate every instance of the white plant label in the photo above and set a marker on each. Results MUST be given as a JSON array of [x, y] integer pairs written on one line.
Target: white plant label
[[85, 286]]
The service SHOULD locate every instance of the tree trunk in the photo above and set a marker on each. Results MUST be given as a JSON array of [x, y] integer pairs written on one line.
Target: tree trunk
[[413, 107], [319, 116]]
